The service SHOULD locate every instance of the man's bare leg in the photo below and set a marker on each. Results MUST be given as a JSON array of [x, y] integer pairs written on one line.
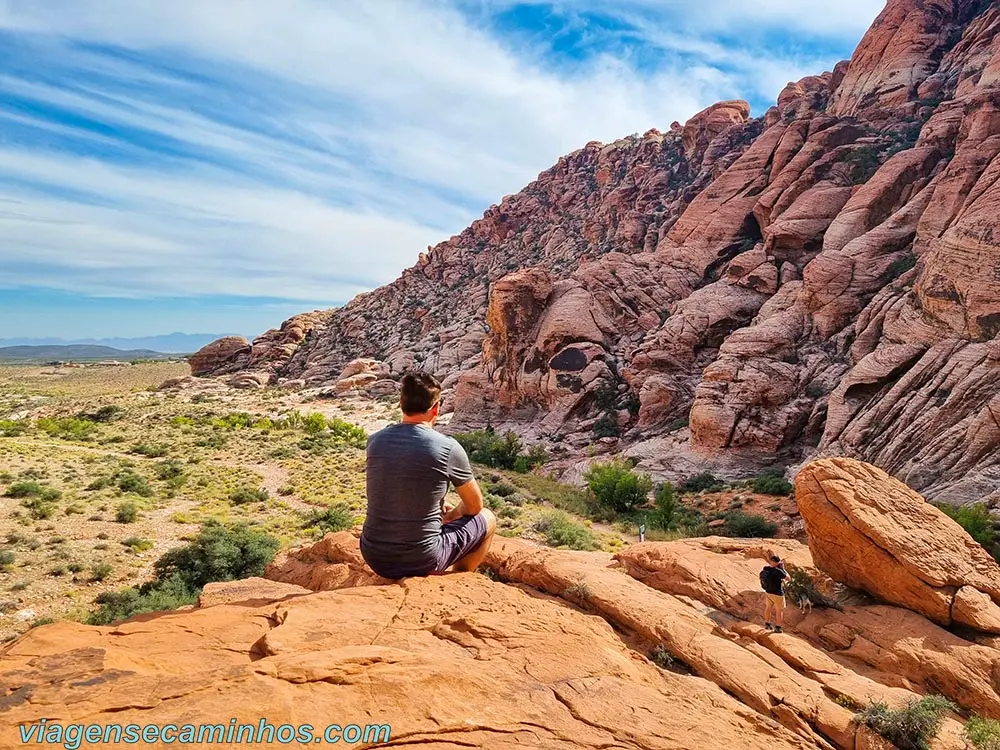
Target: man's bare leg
[[472, 560]]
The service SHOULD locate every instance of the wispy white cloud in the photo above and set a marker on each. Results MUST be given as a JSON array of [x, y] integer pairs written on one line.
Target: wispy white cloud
[[309, 149]]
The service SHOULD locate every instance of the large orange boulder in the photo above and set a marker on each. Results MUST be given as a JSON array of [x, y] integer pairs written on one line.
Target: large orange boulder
[[444, 662], [872, 532]]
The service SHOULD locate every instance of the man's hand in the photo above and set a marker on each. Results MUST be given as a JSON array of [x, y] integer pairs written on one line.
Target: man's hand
[[452, 514]]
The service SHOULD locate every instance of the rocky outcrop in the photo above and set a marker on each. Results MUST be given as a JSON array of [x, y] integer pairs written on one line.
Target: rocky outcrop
[[212, 358], [873, 532], [334, 562], [816, 281], [551, 653]]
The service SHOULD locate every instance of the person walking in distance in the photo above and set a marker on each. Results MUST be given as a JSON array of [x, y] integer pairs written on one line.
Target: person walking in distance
[[772, 580]]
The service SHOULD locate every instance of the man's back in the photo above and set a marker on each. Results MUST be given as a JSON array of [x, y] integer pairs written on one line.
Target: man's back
[[409, 467], [773, 580]]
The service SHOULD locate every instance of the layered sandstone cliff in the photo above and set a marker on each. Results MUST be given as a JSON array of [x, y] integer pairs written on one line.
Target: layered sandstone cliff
[[824, 279]]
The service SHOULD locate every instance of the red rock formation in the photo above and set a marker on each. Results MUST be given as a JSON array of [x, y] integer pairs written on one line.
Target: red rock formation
[[824, 279]]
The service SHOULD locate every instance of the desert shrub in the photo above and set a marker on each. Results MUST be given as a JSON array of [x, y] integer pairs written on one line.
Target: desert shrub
[[535, 456], [503, 489], [137, 544], [285, 490], [977, 522], [107, 413], [151, 450], [215, 441], [75, 567], [129, 481], [607, 426], [101, 570], [169, 470], [347, 433], [560, 530], [661, 657], [39, 508], [127, 513], [58, 571], [244, 495], [911, 727], [900, 266], [864, 162], [748, 525], [982, 734], [20, 586], [314, 423], [237, 420], [150, 597], [487, 448], [616, 486], [67, 428], [334, 518], [700, 482], [33, 489], [12, 428], [218, 553], [666, 508], [678, 424], [6, 558], [771, 482]]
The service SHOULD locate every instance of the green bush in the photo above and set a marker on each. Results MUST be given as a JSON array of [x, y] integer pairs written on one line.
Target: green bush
[[108, 413], [606, 426], [772, 482], [911, 727], [68, 428], [151, 450], [982, 734], [334, 518], [487, 448], [218, 553], [12, 428], [347, 433], [666, 508], [700, 482], [129, 481], [244, 495], [6, 558], [748, 525], [977, 522], [314, 423], [616, 486], [127, 513], [169, 470], [33, 489], [560, 530], [137, 544], [114, 606], [101, 570]]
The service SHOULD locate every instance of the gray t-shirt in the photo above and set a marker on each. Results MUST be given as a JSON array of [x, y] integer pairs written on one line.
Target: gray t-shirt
[[408, 470]]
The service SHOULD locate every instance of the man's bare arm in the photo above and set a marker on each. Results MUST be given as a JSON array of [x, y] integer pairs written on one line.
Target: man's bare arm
[[471, 501]]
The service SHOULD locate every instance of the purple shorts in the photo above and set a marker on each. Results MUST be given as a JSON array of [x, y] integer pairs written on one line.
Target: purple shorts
[[458, 539]]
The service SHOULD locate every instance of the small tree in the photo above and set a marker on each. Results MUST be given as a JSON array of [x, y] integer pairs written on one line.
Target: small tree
[[616, 486], [666, 507]]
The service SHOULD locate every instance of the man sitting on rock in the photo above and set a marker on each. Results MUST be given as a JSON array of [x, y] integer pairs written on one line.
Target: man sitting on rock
[[772, 579], [407, 531]]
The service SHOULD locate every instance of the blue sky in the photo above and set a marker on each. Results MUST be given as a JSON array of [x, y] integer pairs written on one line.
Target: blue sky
[[214, 165]]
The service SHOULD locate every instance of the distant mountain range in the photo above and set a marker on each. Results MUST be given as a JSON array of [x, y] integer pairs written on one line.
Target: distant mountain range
[[174, 343], [76, 353]]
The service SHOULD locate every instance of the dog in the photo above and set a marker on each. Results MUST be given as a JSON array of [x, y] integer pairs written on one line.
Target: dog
[[805, 604]]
